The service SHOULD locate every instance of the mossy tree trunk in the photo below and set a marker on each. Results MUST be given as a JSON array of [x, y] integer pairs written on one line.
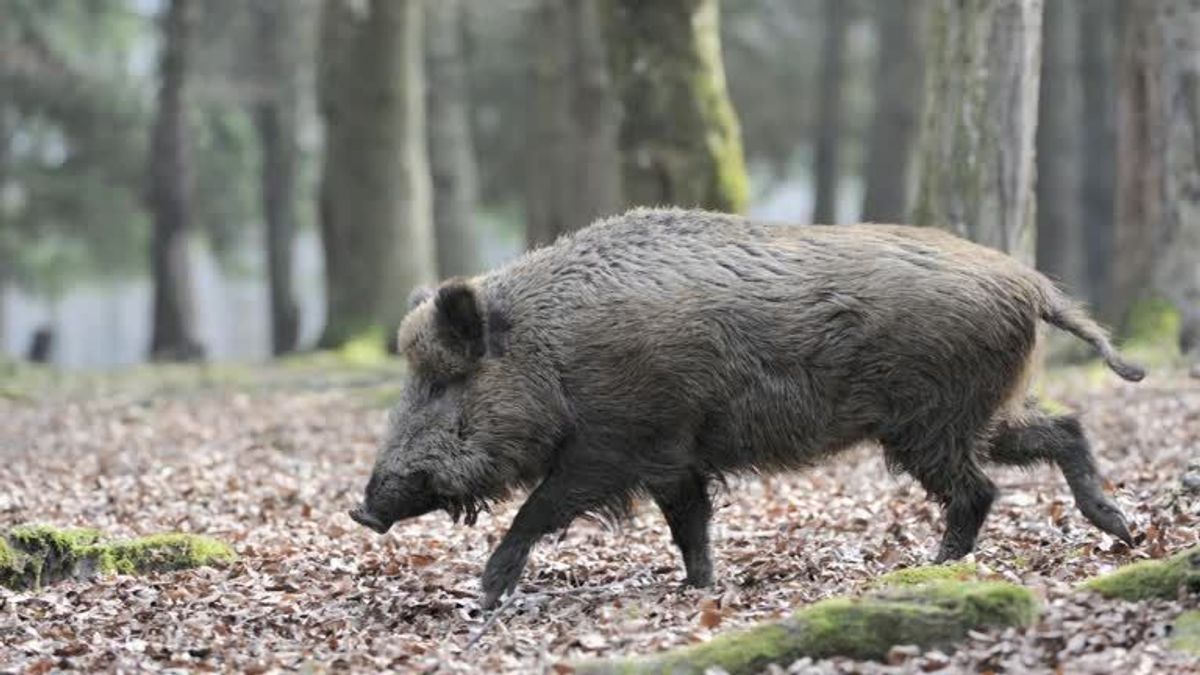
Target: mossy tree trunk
[[830, 110], [275, 116], [572, 174], [375, 212], [976, 153], [33, 556], [451, 151], [1158, 213], [1060, 234], [933, 616], [679, 138], [170, 193], [898, 78]]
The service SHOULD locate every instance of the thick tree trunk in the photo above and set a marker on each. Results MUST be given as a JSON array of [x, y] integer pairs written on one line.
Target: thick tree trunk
[[679, 138], [1060, 234], [573, 175], [1139, 144], [451, 152], [548, 174], [376, 217], [5, 253], [1098, 30], [977, 140], [829, 112], [1158, 222], [595, 114], [275, 118], [898, 78], [170, 194]]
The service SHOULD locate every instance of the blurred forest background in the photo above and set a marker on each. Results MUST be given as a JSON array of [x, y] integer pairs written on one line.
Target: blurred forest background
[[232, 179]]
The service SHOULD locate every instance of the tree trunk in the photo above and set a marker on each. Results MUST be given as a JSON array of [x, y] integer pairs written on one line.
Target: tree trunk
[[679, 138], [595, 115], [548, 204], [451, 153], [376, 217], [977, 142], [829, 112], [1158, 223], [1098, 30], [1060, 235], [898, 78], [170, 194], [6, 255], [573, 164], [275, 118]]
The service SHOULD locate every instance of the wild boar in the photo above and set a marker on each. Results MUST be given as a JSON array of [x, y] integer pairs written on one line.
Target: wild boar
[[656, 351]]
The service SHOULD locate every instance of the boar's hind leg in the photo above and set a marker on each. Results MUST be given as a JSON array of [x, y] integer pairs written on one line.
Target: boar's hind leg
[[564, 495], [950, 474], [1040, 438], [686, 505], [968, 495]]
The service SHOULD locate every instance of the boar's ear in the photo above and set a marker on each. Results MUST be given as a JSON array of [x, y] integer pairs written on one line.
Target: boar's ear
[[418, 295], [459, 317]]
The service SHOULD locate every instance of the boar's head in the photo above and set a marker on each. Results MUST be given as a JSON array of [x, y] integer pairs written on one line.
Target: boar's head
[[431, 457]]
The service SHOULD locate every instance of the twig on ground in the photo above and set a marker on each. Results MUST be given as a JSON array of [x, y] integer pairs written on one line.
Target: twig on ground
[[491, 620], [487, 625]]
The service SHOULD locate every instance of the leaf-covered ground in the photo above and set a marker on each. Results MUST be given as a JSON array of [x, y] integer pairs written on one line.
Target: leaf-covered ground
[[271, 465]]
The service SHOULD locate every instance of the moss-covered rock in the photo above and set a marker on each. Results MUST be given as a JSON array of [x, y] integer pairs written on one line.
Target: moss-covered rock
[[937, 614], [1185, 633], [916, 576], [1165, 578], [32, 556]]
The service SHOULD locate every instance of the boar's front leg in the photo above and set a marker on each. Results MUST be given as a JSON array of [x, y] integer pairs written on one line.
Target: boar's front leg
[[569, 491], [686, 505]]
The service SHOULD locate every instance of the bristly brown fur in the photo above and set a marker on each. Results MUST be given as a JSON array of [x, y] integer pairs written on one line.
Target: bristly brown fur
[[655, 352]]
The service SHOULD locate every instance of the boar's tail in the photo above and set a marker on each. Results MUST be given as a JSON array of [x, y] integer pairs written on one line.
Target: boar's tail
[[1060, 311]]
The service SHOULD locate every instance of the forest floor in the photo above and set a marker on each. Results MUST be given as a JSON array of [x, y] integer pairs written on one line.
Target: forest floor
[[270, 459]]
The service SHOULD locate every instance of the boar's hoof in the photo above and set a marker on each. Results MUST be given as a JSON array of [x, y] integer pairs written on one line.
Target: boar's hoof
[[490, 599], [494, 589], [502, 572], [1108, 517]]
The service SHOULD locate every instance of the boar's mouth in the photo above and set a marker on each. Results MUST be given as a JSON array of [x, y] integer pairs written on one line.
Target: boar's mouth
[[365, 518]]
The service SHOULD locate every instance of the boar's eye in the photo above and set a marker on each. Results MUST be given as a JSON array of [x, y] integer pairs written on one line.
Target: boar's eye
[[436, 389]]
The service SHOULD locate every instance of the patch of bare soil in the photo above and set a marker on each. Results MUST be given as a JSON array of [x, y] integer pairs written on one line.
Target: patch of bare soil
[[273, 473]]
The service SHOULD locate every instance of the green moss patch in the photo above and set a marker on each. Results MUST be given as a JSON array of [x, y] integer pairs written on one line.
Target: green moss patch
[[1185, 633], [45, 538], [916, 576], [936, 614], [32, 556], [166, 552], [1165, 578]]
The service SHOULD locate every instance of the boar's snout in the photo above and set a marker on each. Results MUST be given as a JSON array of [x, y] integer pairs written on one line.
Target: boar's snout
[[392, 497], [363, 517]]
